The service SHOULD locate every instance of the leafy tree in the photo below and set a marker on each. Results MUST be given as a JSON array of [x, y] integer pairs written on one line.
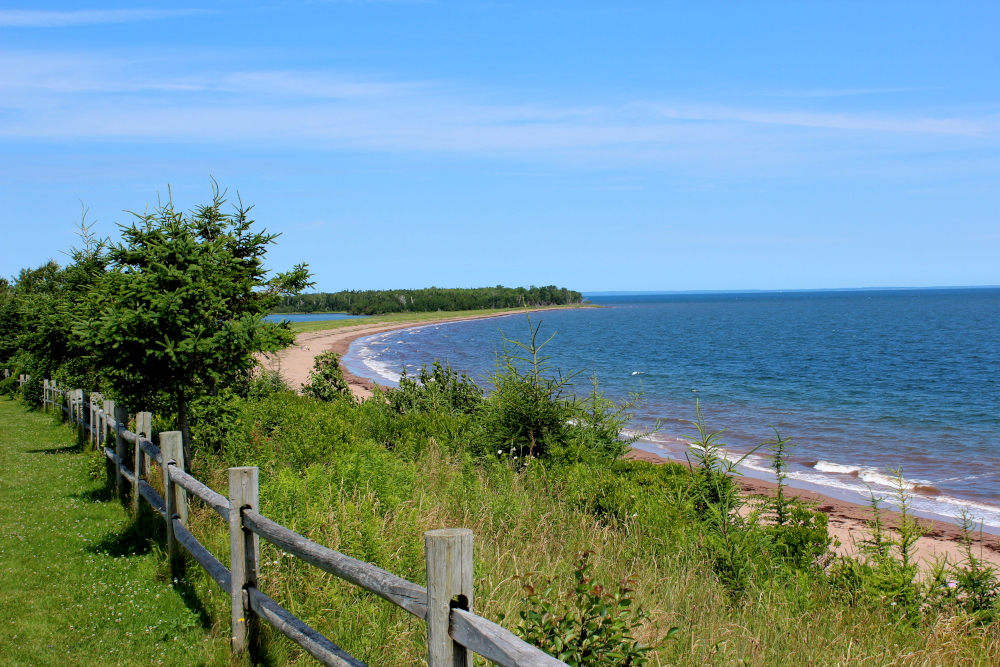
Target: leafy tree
[[179, 312]]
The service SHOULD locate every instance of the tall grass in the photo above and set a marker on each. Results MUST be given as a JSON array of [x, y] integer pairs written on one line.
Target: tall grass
[[369, 481]]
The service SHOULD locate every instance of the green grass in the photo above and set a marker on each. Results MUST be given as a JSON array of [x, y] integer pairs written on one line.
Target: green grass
[[415, 318], [369, 485], [81, 583]]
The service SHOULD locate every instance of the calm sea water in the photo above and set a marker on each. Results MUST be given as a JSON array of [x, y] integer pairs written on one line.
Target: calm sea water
[[862, 381]]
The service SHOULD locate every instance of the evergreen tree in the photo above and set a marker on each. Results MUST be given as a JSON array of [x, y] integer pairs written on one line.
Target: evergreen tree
[[179, 312]]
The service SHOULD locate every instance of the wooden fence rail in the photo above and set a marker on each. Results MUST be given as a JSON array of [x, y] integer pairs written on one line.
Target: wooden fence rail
[[454, 632]]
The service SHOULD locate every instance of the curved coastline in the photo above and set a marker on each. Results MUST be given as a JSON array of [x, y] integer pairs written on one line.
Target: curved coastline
[[295, 362], [847, 520]]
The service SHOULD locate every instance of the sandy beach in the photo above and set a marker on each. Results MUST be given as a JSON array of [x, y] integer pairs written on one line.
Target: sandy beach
[[847, 520], [295, 362]]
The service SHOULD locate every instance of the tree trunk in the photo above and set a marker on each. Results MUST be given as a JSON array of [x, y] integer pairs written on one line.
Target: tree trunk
[[182, 419]]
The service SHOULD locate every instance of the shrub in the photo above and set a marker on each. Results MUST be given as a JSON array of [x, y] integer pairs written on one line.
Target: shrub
[[326, 381], [799, 535], [441, 388], [528, 412], [585, 626], [886, 575]]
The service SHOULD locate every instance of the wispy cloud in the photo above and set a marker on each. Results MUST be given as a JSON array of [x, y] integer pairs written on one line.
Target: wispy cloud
[[32, 18], [847, 92], [838, 121], [72, 97]]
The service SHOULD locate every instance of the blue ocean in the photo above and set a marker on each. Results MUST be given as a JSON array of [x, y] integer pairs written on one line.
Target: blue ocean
[[863, 382]]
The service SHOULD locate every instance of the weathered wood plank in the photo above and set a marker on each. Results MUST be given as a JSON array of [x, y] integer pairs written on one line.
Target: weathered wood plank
[[449, 583], [244, 551], [215, 569], [292, 627], [153, 497], [399, 591], [171, 446], [216, 501], [496, 643], [152, 451]]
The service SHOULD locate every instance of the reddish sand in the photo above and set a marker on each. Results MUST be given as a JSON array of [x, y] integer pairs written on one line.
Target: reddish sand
[[848, 522]]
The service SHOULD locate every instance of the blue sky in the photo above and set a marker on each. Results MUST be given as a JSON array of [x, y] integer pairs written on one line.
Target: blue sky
[[594, 145]]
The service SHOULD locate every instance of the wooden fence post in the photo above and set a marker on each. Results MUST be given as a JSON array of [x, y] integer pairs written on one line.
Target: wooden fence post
[[88, 410], [143, 429], [109, 411], [85, 414], [45, 395], [449, 584], [95, 418], [78, 401], [121, 419], [244, 549], [171, 451]]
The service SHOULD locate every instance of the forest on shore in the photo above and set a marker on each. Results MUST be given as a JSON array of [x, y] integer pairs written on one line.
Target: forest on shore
[[379, 302]]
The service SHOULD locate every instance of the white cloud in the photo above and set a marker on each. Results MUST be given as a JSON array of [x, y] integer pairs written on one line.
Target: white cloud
[[31, 18]]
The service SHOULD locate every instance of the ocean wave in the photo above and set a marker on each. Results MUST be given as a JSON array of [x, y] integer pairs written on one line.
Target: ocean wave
[[875, 476], [382, 369], [826, 466], [839, 479], [940, 505]]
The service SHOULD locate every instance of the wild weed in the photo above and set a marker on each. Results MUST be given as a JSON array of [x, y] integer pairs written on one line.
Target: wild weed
[[976, 588], [799, 536], [732, 541], [887, 574]]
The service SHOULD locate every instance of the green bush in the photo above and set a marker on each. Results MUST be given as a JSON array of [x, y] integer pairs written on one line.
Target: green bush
[[326, 381], [586, 626], [441, 388]]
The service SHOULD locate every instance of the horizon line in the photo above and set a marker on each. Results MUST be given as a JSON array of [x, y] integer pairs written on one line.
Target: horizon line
[[776, 291]]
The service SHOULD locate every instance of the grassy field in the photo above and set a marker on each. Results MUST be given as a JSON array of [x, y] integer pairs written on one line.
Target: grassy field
[[81, 583], [414, 318]]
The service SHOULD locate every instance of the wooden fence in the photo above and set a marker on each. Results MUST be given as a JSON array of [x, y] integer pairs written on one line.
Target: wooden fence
[[454, 632]]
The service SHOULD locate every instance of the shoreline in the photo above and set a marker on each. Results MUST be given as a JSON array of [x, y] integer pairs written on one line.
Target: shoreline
[[295, 362], [848, 522]]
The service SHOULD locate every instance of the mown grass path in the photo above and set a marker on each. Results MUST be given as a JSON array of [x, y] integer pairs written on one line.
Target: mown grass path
[[81, 581]]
